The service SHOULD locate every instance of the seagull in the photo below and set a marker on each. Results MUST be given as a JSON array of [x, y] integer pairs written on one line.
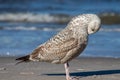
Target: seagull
[[66, 44]]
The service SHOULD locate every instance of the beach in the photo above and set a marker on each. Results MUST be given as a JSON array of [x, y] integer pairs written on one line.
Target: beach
[[87, 68], [26, 24]]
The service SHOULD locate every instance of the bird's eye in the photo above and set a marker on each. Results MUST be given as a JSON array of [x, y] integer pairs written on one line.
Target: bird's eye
[[93, 29]]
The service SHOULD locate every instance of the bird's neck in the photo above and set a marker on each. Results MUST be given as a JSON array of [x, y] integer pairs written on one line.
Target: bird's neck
[[81, 32]]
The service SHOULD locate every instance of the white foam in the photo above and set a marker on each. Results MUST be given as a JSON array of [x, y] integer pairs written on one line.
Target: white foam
[[110, 29], [30, 17], [32, 28], [20, 28]]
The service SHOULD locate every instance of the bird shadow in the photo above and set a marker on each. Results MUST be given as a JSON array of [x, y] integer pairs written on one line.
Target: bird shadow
[[88, 73]]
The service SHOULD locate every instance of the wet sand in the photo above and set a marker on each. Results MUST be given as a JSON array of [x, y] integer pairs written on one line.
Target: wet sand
[[85, 68]]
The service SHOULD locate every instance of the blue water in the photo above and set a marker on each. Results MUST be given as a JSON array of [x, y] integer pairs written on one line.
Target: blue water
[[59, 6], [24, 24]]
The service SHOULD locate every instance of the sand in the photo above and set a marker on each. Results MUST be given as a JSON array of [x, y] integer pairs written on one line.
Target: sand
[[85, 68]]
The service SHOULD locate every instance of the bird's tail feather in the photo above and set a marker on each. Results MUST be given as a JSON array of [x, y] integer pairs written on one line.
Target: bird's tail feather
[[23, 59]]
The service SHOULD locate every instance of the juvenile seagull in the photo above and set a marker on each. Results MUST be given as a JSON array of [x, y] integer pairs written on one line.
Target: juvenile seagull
[[67, 44]]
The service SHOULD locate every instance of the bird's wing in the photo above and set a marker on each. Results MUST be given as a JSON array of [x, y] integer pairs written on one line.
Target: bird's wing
[[49, 52]]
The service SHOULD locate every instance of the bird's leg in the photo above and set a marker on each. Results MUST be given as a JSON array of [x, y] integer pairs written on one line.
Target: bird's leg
[[67, 71]]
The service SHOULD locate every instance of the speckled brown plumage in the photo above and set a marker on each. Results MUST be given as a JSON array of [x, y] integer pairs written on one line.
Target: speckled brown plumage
[[68, 43]]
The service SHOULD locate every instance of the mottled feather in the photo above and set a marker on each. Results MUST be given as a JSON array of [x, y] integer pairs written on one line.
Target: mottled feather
[[69, 42]]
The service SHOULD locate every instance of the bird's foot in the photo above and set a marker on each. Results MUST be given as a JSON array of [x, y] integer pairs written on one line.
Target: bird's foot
[[74, 78]]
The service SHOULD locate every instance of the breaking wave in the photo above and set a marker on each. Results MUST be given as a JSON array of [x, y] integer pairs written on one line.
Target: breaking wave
[[35, 18], [31, 28], [51, 28], [53, 18], [109, 30]]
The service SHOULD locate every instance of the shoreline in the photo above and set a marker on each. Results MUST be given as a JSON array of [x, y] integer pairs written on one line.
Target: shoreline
[[86, 68]]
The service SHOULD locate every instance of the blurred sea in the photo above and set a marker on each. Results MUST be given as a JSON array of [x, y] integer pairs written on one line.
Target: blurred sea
[[24, 24]]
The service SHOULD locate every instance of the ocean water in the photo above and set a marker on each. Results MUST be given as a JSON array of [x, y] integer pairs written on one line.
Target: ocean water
[[25, 24]]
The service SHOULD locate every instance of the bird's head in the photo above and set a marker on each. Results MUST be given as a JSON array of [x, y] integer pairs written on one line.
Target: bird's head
[[90, 23], [94, 24]]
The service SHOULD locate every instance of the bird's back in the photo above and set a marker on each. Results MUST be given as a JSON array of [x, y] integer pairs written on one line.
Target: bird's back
[[58, 48]]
